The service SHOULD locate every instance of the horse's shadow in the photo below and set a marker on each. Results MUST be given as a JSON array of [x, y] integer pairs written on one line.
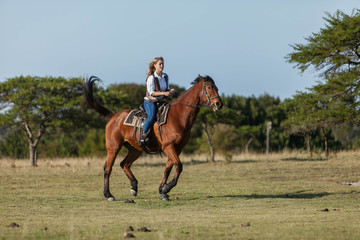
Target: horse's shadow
[[163, 164], [296, 195], [245, 161], [304, 159]]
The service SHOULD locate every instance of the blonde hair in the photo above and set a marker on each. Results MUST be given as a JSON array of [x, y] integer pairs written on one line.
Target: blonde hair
[[151, 69]]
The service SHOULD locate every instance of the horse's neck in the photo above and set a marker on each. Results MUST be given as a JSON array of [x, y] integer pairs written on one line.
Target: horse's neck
[[192, 96], [186, 105]]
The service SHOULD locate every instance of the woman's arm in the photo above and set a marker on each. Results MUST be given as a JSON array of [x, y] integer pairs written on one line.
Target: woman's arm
[[150, 88], [156, 94]]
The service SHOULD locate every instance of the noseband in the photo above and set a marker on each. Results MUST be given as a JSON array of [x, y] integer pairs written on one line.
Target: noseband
[[207, 97]]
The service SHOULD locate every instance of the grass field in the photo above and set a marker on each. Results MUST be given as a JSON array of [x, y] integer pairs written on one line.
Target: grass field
[[280, 196]]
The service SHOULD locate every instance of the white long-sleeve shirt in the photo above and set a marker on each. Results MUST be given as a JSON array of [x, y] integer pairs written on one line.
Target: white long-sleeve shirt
[[150, 85]]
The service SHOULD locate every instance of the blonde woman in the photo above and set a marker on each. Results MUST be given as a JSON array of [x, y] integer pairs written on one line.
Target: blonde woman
[[157, 90]]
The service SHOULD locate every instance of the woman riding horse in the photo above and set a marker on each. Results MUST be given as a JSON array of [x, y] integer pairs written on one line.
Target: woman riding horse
[[157, 89], [175, 134]]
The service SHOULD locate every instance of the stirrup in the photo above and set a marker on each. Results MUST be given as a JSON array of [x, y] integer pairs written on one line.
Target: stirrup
[[144, 137]]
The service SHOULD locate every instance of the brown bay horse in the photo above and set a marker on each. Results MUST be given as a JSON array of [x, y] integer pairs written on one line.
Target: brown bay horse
[[175, 134]]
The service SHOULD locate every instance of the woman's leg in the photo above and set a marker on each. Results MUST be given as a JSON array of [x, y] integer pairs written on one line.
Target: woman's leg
[[151, 110]]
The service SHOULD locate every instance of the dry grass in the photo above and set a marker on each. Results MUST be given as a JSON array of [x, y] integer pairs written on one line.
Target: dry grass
[[279, 196]]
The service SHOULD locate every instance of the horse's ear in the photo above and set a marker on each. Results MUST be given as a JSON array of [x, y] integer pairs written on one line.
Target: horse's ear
[[200, 77]]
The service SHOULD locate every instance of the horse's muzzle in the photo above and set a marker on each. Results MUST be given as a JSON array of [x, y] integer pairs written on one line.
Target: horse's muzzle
[[216, 106]]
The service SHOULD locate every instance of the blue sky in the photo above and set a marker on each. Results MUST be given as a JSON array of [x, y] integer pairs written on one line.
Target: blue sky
[[240, 43]]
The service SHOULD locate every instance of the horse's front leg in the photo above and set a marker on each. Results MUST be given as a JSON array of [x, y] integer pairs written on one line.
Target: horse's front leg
[[169, 165], [173, 160]]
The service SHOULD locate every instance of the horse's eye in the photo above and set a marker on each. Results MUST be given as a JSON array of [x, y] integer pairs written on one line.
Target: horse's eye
[[208, 87]]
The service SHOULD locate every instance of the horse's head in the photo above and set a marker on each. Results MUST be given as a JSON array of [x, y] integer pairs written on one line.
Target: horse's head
[[210, 95]]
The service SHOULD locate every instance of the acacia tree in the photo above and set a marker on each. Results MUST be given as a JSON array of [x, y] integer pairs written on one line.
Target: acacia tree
[[35, 104], [334, 52]]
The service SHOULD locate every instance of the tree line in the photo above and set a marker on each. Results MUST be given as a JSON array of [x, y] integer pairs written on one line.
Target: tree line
[[45, 116]]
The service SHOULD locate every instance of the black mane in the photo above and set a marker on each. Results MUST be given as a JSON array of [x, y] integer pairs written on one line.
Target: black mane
[[207, 79], [197, 80]]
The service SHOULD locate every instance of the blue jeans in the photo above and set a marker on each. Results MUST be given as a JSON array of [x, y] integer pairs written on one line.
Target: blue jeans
[[151, 109]]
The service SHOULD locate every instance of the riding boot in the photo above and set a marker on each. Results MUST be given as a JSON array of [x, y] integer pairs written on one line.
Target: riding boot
[[144, 137]]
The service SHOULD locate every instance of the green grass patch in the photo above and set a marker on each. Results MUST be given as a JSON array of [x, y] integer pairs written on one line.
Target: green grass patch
[[253, 197]]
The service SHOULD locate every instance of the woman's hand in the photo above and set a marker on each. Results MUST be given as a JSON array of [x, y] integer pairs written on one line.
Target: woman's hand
[[169, 92]]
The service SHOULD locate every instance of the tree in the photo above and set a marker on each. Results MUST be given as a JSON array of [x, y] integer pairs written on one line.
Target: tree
[[36, 104], [334, 53], [123, 96], [301, 118], [249, 133], [208, 119], [12, 144]]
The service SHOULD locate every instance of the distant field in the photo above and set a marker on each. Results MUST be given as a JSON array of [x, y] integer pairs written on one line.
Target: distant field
[[280, 196]]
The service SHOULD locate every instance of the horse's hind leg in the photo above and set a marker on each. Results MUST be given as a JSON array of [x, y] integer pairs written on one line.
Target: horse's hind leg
[[110, 159], [132, 155]]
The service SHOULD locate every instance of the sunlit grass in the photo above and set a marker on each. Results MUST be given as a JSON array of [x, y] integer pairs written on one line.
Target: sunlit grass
[[281, 196]]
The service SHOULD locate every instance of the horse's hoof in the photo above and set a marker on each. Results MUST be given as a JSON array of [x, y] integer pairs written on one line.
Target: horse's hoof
[[133, 192], [111, 199], [164, 197]]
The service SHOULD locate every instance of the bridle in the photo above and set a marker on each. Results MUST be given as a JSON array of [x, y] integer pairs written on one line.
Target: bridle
[[202, 95]]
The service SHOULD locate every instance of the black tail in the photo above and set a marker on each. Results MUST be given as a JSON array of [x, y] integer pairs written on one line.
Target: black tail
[[89, 97]]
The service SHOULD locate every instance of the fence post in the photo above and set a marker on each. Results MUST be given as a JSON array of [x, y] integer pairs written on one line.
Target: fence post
[[268, 128]]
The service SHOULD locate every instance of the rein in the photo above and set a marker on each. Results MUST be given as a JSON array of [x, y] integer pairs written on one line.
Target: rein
[[207, 97]]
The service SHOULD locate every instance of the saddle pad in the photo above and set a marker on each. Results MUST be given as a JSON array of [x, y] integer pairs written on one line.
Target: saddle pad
[[136, 116]]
